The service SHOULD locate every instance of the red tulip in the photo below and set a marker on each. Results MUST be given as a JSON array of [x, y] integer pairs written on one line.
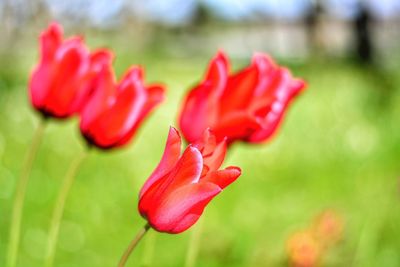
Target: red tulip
[[115, 110], [58, 84], [248, 105], [176, 193]]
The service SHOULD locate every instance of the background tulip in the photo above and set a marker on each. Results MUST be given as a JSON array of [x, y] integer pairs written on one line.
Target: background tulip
[[248, 105], [58, 84], [115, 110], [176, 193]]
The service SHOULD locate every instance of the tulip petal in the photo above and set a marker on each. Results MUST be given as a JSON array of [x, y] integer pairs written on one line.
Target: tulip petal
[[169, 159], [213, 153], [99, 59], [297, 86], [267, 70], [194, 115], [279, 85], [236, 125], [182, 208], [50, 40], [101, 99], [214, 160], [276, 87], [134, 73], [155, 95], [200, 107], [223, 178], [71, 65], [275, 105], [239, 90], [217, 73], [207, 143], [114, 123], [186, 171], [40, 82]]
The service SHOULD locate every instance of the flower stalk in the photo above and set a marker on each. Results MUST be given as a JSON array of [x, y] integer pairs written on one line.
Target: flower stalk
[[16, 217], [133, 245], [59, 208]]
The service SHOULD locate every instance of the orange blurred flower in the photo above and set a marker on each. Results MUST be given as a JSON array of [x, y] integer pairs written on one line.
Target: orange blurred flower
[[303, 250], [328, 227]]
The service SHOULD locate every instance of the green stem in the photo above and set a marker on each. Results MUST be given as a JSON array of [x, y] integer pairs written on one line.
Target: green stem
[[132, 245], [16, 217], [193, 249], [148, 251], [59, 208]]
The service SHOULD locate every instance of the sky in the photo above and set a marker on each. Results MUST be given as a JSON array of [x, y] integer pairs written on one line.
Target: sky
[[107, 13]]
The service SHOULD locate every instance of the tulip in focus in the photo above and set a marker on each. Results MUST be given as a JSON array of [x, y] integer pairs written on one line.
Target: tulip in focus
[[248, 105], [58, 84], [175, 195], [303, 250], [115, 110]]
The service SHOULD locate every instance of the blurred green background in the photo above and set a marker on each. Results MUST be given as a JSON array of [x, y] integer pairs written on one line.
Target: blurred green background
[[339, 148]]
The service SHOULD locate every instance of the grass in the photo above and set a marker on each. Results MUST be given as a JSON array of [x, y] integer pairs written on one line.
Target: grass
[[339, 148]]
